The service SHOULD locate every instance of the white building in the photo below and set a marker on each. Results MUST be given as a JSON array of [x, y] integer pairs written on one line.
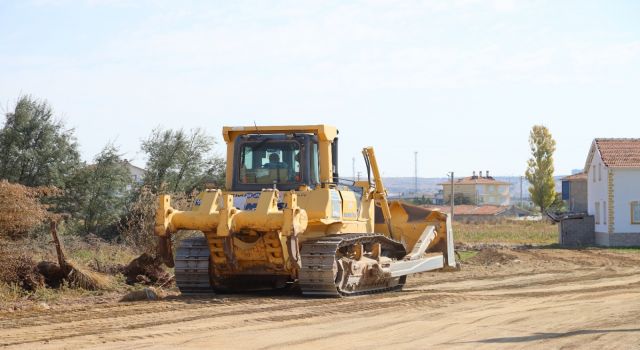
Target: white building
[[137, 173], [479, 190], [613, 195]]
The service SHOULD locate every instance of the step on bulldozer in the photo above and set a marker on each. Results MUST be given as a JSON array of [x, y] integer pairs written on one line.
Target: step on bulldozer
[[287, 218]]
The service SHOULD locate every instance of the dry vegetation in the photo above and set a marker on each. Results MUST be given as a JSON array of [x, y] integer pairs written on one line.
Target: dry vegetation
[[20, 209], [23, 287], [507, 232], [19, 269], [32, 272], [135, 227]]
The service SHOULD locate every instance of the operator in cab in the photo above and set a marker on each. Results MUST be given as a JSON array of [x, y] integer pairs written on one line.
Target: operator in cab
[[274, 162]]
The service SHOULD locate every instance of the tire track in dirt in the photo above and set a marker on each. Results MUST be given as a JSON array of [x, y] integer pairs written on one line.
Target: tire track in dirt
[[318, 308], [582, 257], [419, 279], [532, 281], [631, 287]]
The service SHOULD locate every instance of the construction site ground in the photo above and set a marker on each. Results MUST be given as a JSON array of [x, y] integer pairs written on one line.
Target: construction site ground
[[506, 298]]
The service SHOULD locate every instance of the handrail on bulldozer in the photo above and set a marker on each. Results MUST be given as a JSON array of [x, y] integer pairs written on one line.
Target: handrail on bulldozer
[[380, 193]]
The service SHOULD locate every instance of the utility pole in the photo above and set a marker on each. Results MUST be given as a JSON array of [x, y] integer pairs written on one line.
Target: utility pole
[[415, 162], [353, 167], [521, 201], [452, 198]]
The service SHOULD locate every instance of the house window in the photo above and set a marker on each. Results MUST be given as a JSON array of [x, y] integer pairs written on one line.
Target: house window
[[635, 212], [597, 216], [600, 173], [604, 212], [594, 173]]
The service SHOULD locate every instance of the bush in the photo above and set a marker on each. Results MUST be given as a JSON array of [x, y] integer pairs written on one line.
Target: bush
[[20, 209], [137, 225], [97, 194], [17, 268]]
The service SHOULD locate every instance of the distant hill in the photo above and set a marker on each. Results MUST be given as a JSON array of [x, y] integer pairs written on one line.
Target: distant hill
[[407, 184]]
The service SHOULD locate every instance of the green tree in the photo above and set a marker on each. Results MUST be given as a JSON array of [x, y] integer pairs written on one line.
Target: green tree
[[558, 204], [179, 161], [540, 167], [35, 148], [98, 194]]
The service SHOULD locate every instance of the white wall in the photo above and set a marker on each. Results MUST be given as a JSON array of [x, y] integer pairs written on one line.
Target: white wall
[[598, 191], [503, 193], [494, 194], [626, 189], [136, 173]]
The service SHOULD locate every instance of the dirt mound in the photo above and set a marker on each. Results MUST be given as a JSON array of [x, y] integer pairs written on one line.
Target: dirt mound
[[76, 274], [146, 269], [148, 293], [85, 278], [491, 256], [19, 269]]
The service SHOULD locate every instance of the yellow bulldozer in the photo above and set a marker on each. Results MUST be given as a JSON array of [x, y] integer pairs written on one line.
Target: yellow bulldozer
[[287, 218]]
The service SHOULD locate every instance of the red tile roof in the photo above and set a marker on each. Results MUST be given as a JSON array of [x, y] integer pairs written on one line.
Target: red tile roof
[[465, 209], [575, 177], [476, 180], [619, 153]]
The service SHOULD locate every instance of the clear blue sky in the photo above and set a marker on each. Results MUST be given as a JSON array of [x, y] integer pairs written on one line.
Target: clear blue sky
[[461, 82]]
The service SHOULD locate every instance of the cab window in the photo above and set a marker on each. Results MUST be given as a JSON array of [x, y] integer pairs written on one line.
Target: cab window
[[270, 162], [314, 165]]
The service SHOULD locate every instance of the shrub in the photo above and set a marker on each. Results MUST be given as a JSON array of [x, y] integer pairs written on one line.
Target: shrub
[[17, 268], [137, 225], [20, 209]]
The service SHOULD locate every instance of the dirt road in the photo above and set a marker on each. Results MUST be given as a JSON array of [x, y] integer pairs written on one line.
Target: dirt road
[[535, 298]]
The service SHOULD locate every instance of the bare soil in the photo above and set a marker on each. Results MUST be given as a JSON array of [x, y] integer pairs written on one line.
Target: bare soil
[[502, 298]]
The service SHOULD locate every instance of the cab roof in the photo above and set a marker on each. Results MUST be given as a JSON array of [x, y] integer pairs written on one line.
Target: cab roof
[[324, 132]]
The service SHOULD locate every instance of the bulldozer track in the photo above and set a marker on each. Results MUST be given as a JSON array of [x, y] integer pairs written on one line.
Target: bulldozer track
[[318, 273], [192, 266]]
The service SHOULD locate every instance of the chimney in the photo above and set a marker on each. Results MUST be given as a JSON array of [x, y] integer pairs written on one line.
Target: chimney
[[488, 174], [480, 173]]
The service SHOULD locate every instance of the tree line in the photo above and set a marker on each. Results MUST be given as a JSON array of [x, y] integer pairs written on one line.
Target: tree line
[[38, 150]]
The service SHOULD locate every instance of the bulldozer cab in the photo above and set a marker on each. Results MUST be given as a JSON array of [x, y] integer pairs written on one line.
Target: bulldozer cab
[[285, 158]]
